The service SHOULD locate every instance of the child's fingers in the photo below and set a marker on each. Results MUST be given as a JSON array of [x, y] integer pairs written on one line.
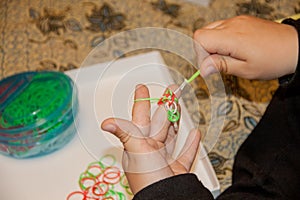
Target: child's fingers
[[190, 149], [127, 132], [159, 124], [141, 109]]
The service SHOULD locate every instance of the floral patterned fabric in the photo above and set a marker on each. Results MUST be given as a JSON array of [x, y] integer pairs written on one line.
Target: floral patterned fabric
[[58, 35]]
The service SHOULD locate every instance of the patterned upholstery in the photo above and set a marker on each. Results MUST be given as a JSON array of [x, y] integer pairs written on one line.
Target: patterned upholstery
[[58, 35]]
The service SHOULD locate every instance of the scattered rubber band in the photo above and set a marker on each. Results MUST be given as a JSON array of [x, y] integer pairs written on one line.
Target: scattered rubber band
[[99, 182]]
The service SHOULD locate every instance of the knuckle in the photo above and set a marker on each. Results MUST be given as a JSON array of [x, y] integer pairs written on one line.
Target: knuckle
[[197, 33], [223, 65]]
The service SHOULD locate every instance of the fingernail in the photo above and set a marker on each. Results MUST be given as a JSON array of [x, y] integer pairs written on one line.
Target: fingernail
[[138, 86], [209, 70], [110, 128]]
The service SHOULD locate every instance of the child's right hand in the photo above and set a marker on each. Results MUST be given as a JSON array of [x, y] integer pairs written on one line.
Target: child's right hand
[[249, 47]]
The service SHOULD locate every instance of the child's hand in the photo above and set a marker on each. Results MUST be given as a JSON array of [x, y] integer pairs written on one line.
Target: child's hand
[[249, 47], [149, 144]]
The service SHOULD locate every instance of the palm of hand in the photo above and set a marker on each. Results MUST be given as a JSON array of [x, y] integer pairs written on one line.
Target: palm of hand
[[149, 143]]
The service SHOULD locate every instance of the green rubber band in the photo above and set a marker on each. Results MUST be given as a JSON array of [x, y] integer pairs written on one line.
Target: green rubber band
[[25, 108], [81, 176], [173, 117], [152, 100], [108, 156]]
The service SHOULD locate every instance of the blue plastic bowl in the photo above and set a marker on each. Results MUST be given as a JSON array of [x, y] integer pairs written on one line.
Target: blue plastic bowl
[[37, 113]]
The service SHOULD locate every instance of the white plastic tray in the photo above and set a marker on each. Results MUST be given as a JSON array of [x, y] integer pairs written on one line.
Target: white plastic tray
[[104, 91]]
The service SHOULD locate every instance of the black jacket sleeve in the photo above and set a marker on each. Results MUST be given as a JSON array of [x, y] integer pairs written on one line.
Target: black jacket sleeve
[[268, 162], [184, 186]]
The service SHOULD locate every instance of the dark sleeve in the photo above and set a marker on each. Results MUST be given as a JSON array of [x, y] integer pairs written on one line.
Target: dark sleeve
[[180, 187], [268, 162], [296, 24]]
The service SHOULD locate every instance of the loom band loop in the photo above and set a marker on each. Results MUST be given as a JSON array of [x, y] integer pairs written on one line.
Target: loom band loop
[[94, 171], [173, 117], [100, 189], [121, 196], [77, 195], [128, 190], [172, 107], [86, 181], [100, 176], [89, 194], [124, 184], [163, 100], [108, 198], [111, 175], [118, 195], [152, 100], [168, 97], [173, 113], [123, 181], [107, 161]]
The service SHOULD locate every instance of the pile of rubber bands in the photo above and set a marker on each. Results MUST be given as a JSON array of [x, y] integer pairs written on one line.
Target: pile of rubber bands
[[37, 111], [102, 181]]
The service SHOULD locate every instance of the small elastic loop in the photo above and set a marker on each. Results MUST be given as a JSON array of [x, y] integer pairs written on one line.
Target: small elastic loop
[[173, 117], [172, 108]]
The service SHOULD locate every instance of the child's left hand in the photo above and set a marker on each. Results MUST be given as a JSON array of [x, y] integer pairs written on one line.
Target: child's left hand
[[149, 144]]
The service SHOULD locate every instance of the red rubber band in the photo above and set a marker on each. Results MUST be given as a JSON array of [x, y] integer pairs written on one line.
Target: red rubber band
[[99, 186]]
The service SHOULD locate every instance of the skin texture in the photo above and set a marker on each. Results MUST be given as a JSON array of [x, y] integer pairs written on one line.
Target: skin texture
[[249, 47], [149, 143]]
